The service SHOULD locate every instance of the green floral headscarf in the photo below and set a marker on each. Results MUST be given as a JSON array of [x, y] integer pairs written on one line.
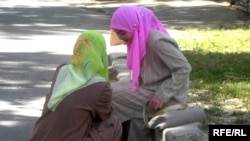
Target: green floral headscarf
[[89, 64]]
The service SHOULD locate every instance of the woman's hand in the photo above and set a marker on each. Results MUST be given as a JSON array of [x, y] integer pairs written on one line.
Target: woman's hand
[[155, 103]]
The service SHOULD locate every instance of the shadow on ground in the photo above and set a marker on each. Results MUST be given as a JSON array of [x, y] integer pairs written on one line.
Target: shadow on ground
[[184, 15], [24, 22], [25, 80]]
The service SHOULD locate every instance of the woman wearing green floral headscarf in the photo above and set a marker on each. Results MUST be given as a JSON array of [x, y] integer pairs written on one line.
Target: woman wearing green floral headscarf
[[78, 106]]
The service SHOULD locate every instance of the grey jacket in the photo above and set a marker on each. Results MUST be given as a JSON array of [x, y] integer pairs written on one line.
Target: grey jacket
[[165, 70]]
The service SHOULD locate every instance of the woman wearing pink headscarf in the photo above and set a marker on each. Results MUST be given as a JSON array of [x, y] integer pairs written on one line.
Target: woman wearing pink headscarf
[[160, 71]]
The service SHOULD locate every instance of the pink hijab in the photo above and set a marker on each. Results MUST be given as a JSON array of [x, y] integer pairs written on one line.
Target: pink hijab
[[139, 21]]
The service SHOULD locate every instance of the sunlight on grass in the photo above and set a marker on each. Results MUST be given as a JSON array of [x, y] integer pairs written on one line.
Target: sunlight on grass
[[220, 58], [217, 40]]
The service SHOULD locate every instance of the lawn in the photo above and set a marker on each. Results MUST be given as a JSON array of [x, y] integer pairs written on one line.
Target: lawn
[[220, 78]]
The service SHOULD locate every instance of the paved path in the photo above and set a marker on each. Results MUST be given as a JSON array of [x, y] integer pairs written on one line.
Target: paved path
[[181, 14], [37, 35]]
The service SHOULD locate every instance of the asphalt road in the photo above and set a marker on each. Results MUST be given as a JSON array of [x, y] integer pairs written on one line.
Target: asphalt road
[[36, 36]]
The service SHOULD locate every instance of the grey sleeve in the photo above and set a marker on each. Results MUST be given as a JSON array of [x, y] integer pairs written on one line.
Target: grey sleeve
[[177, 85]]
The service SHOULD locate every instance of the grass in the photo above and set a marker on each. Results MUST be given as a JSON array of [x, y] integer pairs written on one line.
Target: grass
[[220, 79]]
